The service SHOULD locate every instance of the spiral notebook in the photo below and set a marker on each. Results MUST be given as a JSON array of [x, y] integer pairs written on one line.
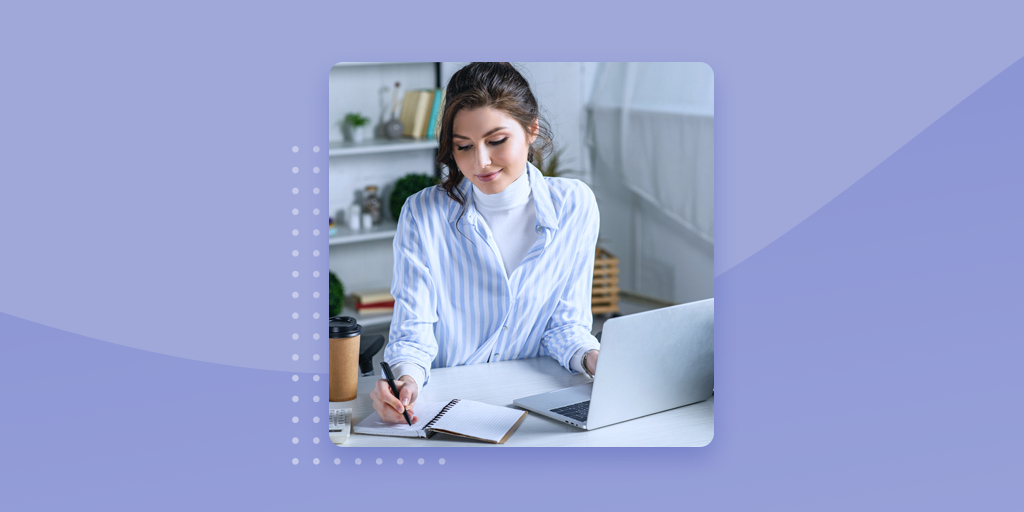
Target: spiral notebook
[[463, 418]]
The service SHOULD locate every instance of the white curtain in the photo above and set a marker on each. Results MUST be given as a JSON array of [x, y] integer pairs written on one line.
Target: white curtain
[[652, 125]]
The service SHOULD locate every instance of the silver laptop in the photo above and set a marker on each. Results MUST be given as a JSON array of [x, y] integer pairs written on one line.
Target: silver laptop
[[650, 362]]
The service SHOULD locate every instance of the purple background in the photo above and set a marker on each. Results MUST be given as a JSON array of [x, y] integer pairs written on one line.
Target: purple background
[[868, 178]]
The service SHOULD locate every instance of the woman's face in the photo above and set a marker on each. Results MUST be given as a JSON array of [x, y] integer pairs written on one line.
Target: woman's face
[[490, 148]]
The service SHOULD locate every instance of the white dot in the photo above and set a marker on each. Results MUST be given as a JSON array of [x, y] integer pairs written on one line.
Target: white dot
[[295, 232], [316, 273], [359, 461], [400, 462], [316, 211], [295, 295], [295, 461], [295, 357], [295, 316], [316, 461], [316, 253], [295, 440], [380, 461], [316, 419], [441, 462], [316, 378], [316, 149], [316, 357], [420, 461], [316, 190], [295, 191], [295, 273], [295, 335], [316, 315], [295, 170], [295, 419], [316, 295], [316, 232], [316, 399], [295, 211], [295, 149], [295, 399], [316, 440], [337, 461], [316, 170], [295, 378], [295, 253], [316, 336]]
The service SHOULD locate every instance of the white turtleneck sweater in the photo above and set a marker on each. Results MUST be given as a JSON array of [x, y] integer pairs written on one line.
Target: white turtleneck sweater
[[511, 216]]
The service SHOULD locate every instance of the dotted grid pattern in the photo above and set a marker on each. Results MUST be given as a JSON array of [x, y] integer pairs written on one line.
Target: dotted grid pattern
[[316, 315]]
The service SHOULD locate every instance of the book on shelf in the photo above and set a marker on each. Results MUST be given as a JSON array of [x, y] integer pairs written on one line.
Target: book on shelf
[[383, 304], [408, 112], [435, 114], [372, 297], [422, 114], [374, 311], [410, 109]]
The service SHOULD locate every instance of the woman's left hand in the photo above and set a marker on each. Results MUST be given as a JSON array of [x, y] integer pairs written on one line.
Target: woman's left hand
[[591, 361]]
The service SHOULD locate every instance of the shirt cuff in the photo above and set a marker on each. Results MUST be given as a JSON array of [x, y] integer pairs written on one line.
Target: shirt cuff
[[413, 370], [576, 361]]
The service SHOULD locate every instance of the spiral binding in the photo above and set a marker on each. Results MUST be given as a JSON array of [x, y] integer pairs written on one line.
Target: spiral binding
[[446, 409]]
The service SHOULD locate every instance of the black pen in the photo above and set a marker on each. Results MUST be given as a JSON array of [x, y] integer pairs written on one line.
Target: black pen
[[394, 389]]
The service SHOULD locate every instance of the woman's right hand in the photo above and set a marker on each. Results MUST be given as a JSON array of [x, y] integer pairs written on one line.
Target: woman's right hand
[[390, 408]]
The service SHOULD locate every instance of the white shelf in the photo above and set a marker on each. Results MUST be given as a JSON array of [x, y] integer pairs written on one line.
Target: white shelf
[[376, 146], [385, 230]]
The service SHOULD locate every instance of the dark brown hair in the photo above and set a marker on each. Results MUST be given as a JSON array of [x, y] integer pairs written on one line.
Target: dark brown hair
[[497, 85]]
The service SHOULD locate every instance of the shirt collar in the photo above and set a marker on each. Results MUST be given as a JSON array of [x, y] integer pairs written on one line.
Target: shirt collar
[[546, 215]]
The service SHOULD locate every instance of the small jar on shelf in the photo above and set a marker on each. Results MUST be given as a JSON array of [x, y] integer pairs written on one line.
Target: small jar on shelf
[[371, 204]]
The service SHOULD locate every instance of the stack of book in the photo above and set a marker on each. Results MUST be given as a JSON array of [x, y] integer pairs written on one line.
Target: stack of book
[[421, 113], [372, 303]]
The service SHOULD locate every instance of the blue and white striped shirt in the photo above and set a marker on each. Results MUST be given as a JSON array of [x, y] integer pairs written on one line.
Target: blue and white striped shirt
[[454, 303]]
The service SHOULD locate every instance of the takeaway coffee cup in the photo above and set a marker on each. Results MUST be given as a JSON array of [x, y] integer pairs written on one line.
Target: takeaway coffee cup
[[344, 358]]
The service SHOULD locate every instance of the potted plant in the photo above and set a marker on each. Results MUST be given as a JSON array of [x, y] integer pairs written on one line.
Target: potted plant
[[552, 167], [354, 126], [336, 294], [406, 186]]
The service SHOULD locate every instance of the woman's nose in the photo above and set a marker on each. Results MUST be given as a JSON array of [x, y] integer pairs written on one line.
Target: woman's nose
[[483, 157]]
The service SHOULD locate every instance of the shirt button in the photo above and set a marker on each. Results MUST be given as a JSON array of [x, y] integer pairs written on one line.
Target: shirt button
[[495, 356], [539, 230], [504, 327]]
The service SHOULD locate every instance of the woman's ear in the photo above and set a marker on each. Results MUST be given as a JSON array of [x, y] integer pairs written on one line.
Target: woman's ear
[[534, 130]]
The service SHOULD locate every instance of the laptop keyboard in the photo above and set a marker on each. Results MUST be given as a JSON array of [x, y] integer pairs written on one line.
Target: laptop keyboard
[[577, 412]]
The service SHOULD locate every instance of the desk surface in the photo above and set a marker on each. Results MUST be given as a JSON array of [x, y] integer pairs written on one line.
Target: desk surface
[[500, 383]]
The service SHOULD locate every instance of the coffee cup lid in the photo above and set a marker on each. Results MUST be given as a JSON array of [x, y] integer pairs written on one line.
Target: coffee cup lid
[[344, 327]]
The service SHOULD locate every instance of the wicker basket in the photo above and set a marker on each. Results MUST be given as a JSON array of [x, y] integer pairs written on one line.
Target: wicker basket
[[604, 298]]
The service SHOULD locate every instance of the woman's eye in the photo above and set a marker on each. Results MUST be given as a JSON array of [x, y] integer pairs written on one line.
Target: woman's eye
[[493, 143]]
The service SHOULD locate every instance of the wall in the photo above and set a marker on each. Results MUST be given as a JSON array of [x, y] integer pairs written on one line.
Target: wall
[[658, 257]]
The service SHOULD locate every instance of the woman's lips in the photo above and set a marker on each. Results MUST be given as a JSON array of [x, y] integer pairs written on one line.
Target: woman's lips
[[488, 177]]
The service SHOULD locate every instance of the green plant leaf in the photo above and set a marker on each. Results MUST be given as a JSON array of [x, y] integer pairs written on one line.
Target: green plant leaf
[[336, 293], [406, 186]]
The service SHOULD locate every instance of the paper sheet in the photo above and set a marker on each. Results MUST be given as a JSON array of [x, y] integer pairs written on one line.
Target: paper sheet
[[425, 411], [480, 420]]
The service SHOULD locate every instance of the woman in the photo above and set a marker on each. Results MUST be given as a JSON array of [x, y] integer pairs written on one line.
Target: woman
[[496, 262]]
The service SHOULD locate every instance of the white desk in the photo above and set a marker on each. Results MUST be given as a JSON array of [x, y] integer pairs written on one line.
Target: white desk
[[500, 383]]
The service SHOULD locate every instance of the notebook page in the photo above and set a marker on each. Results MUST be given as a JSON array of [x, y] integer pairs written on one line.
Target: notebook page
[[425, 411], [477, 419]]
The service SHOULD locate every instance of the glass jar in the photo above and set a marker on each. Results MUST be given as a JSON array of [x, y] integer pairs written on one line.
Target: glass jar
[[371, 204]]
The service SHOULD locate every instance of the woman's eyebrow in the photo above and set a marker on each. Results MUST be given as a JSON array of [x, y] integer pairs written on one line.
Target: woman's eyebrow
[[457, 136]]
